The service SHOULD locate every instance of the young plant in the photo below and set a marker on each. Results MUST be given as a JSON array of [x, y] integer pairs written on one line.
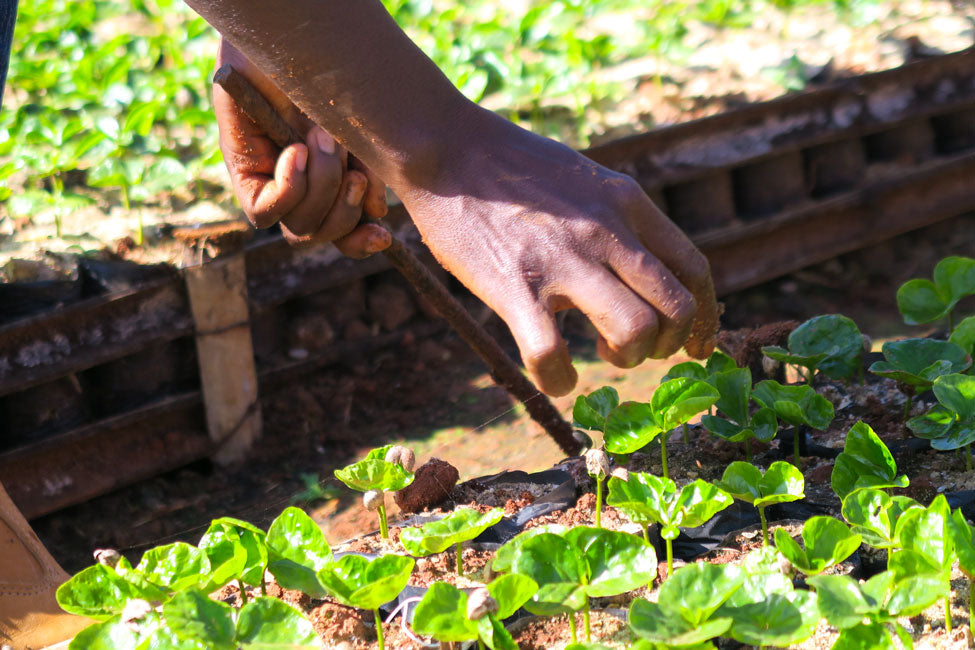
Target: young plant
[[964, 336], [963, 539], [590, 411], [462, 525], [297, 551], [633, 425], [797, 405], [831, 344], [951, 425], [916, 363], [448, 614], [192, 620], [780, 484], [926, 547], [867, 614], [646, 499], [504, 557], [873, 514], [237, 551], [735, 389], [825, 543], [865, 462], [922, 301], [597, 466], [382, 470], [582, 563], [355, 581], [684, 612]]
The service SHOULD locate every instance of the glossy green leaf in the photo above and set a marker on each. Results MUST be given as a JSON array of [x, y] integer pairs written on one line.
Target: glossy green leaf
[[719, 362], [459, 526], [865, 462], [236, 550], [781, 482], [192, 616], [927, 532], [843, 602], [958, 435], [694, 592], [590, 410], [742, 480], [918, 362], [494, 634], [955, 278], [873, 515], [442, 614], [689, 369], [827, 542], [175, 567], [914, 594], [504, 556], [779, 620], [379, 453], [963, 539], [614, 562], [98, 592], [697, 502], [375, 474], [923, 301], [734, 388], [357, 582], [297, 551], [113, 634], [795, 404], [957, 393], [836, 338], [270, 624], [780, 354], [932, 425], [511, 591], [630, 427], [873, 636], [964, 335], [678, 400], [648, 498], [658, 624]]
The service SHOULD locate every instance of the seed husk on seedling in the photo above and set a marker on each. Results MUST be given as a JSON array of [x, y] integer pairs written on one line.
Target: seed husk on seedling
[[865, 462], [633, 425], [381, 470], [826, 543], [449, 614], [646, 498], [738, 423], [916, 363], [797, 405], [831, 344], [597, 466], [779, 484], [356, 581], [462, 525], [582, 563], [922, 301], [866, 614]]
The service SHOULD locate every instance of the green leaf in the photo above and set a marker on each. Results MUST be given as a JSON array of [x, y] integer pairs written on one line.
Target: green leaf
[[511, 591], [836, 338], [459, 526], [557, 598], [873, 515], [782, 355], [865, 462], [643, 497], [162, 175], [927, 532], [782, 482], [113, 634], [963, 539], [97, 592], [630, 427], [504, 556], [271, 624], [615, 562], [590, 410], [297, 551], [694, 592], [719, 362], [175, 567], [494, 635], [236, 550], [357, 582], [442, 614], [549, 559], [842, 601], [678, 400], [964, 335], [795, 404], [914, 594], [779, 620], [379, 453], [741, 480], [734, 388], [375, 474], [918, 362], [872, 636], [655, 623], [934, 424], [955, 278], [191, 615], [697, 502], [690, 369], [957, 393], [827, 542]]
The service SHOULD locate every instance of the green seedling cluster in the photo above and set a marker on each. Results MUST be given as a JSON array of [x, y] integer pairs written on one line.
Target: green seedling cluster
[[781, 483], [951, 424], [800, 406], [740, 423], [923, 301], [916, 363]]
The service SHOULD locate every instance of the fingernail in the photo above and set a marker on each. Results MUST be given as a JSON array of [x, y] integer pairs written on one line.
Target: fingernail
[[378, 242], [326, 143], [301, 158], [353, 196]]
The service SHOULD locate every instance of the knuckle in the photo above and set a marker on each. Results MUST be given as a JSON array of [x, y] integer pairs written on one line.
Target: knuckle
[[684, 310]]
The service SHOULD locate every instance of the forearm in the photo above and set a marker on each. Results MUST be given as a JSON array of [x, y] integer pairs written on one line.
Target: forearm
[[350, 68]]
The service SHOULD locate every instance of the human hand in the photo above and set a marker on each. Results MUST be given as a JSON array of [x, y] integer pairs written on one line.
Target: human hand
[[532, 227], [315, 189]]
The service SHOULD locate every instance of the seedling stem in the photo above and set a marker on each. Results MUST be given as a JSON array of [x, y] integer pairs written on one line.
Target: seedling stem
[[687, 435], [670, 557], [971, 601], [572, 627], [243, 593], [585, 621], [480, 645], [599, 500], [761, 515], [907, 407], [460, 559], [948, 614], [383, 528], [379, 630], [663, 455]]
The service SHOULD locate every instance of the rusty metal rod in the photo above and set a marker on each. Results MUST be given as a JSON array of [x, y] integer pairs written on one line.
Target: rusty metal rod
[[503, 369]]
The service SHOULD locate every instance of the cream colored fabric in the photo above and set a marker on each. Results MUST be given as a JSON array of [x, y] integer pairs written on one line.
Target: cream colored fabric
[[30, 618]]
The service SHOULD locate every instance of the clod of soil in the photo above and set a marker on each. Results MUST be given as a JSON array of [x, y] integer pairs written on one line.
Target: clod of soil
[[431, 485], [745, 345]]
